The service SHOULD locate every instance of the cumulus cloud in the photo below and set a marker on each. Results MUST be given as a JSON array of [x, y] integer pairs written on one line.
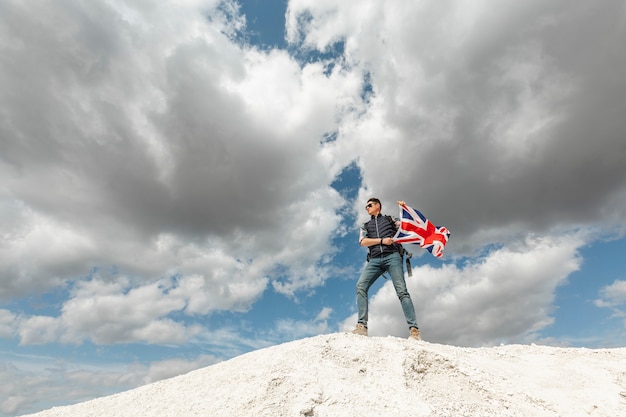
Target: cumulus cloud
[[107, 312], [614, 297], [490, 113], [7, 320], [117, 312], [147, 139]]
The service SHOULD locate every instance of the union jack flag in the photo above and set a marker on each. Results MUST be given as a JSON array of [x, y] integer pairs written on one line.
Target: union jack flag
[[417, 229]]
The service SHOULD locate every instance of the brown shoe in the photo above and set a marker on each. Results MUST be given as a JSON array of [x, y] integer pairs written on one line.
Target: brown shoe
[[415, 333], [360, 329]]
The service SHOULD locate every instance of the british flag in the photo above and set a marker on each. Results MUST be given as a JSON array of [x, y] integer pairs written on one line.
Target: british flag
[[417, 229]]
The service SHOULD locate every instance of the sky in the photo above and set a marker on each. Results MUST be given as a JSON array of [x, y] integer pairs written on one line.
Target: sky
[[182, 182], [343, 375]]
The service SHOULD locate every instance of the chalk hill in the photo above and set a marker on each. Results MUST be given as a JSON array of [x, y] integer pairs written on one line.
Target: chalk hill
[[343, 375]]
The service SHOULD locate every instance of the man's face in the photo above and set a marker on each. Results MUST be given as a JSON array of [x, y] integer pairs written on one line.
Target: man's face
[[372, 208]]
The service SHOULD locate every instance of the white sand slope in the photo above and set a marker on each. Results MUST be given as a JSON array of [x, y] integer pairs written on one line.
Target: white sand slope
[[342, 375]]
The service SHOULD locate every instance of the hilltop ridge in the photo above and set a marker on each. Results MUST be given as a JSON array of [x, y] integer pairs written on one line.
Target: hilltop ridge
[[343, 375]]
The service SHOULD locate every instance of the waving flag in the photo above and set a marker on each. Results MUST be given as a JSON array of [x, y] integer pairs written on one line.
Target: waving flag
[[417, 229]]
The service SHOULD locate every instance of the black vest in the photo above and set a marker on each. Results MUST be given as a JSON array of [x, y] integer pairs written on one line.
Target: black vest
[[380, 227]]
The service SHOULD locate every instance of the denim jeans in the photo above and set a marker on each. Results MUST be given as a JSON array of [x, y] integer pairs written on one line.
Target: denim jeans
[[391, 263]]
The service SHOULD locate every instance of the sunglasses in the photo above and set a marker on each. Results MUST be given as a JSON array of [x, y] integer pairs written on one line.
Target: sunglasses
[[369, 205]]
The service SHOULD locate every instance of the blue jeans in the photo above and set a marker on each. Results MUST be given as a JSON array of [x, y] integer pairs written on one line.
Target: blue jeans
[[391, 263]]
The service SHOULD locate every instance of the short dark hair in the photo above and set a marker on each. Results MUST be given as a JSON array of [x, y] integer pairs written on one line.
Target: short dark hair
[[375, 200]]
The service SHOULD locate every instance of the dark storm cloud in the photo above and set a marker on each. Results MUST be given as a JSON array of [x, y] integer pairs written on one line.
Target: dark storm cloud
[[503, 123], [123, 127], [142, 136]]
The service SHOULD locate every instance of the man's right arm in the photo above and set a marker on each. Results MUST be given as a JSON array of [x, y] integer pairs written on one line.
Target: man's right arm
[[371, 241]]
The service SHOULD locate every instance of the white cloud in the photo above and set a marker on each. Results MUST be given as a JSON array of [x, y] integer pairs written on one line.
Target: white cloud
[[37, 250], [297, 329], [108, 312], [38, 330], [7, 323], [305, 100], [124, 314], [205, 295], [164, 148], [324, 314], [613, 295], [488, 115]]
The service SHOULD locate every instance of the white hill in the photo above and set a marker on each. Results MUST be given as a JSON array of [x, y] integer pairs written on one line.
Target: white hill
[[342, 375]]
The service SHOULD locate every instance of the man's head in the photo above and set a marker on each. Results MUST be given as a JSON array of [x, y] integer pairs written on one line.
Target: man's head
[[373, 206]]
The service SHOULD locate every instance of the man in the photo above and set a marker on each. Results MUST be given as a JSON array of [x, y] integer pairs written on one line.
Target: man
[[384, 256]]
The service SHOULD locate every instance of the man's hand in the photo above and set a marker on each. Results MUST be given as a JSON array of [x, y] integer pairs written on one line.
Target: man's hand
[[401, 203]]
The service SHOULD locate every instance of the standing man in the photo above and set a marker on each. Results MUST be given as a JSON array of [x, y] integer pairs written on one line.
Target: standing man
[[384, 256]]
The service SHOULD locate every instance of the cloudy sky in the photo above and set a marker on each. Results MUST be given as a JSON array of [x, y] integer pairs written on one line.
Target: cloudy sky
[[183, 181]]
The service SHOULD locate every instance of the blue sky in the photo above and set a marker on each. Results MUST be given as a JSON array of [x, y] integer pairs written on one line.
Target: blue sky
[[181, 183]]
